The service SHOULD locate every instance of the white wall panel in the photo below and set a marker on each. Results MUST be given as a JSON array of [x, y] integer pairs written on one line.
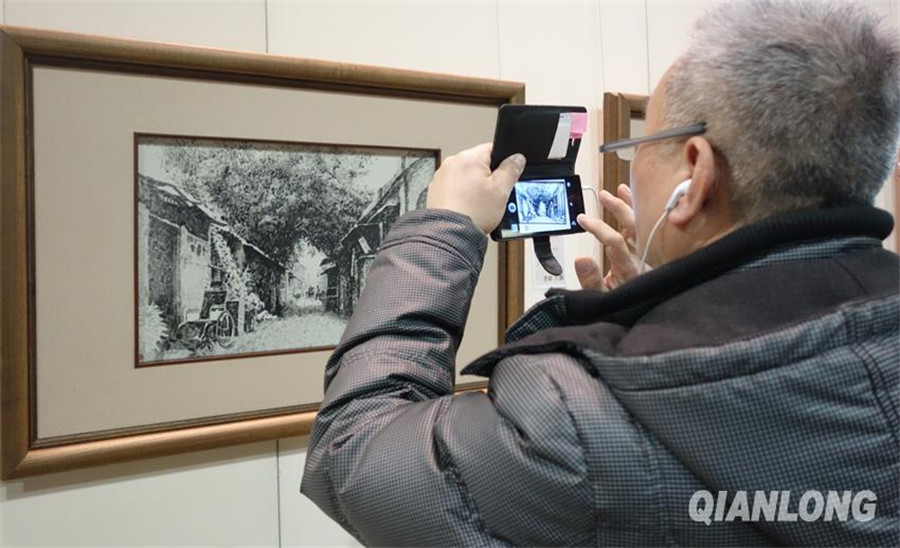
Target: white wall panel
[[233, 24], [886, 199], [225, 497], [623, 32], [302, 523], [890, 9], [563, 64], [669, 27], [669, 24], [563, 67], [449, 37]]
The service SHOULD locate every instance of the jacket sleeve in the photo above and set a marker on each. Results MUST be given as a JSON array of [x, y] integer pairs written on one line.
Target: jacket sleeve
[[392, 449]]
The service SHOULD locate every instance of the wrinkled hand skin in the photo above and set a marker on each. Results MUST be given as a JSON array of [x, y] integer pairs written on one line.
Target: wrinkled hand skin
[[619, 245], [465, 184]]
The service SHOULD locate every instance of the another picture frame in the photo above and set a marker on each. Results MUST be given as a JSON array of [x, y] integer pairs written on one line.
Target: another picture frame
[[619, 111], [73, 109]]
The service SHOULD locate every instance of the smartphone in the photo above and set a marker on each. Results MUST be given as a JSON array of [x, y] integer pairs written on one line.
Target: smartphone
[[547, 197], [545, 206]]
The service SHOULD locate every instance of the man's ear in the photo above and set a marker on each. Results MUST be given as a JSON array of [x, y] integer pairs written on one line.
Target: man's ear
[[701, 161]]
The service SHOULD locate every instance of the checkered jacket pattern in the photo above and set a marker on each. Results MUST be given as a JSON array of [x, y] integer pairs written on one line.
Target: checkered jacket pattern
[[591, 436]]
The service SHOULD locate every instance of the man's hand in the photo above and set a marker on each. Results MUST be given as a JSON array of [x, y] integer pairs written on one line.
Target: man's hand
[[620, 246], [465, 184]]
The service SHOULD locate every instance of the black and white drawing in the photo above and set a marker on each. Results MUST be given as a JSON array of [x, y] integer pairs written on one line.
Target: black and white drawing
[[248, 247], [542, 206]]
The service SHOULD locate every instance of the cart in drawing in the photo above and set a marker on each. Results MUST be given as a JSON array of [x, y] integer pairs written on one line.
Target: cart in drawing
[[212, 324]]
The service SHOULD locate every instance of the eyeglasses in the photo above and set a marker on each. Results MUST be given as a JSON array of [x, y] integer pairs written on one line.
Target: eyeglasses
[[625, 148]]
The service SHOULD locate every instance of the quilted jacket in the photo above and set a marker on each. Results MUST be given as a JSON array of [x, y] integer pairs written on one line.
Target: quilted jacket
[[766, 363]]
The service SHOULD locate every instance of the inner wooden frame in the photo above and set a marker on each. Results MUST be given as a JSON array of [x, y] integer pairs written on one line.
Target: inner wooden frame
[[619, 109], [21, 453]]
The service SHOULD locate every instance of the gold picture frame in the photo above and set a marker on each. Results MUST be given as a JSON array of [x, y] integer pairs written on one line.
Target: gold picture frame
[[63, 393]]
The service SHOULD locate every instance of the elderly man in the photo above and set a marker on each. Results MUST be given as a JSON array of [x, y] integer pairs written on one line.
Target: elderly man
[[743, 392]]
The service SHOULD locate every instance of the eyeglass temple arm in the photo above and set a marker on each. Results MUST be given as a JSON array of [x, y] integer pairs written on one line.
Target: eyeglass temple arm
[[695, 129]]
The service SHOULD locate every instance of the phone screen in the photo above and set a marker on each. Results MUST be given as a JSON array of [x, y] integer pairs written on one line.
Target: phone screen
[[542, 206]]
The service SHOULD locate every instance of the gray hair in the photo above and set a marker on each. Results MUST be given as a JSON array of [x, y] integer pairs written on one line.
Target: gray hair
[[802, 100]]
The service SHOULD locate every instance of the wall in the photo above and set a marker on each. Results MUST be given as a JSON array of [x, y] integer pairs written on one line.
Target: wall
[[565, 52]]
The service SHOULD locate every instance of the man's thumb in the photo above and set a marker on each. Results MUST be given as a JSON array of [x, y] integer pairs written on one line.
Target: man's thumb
[[588, 272], [508, 172]]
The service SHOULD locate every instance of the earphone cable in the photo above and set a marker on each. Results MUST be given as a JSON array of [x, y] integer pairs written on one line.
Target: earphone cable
[[596, 197], [650, 239]]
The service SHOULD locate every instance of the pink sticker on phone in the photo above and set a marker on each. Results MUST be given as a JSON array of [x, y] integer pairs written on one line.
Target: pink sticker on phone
[[579, 125]]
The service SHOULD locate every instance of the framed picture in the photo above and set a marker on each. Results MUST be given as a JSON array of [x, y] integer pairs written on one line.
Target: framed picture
[[184, 233], [249, 247]]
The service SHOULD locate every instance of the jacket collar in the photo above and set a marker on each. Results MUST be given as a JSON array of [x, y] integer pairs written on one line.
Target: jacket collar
[[612, 313], [631, 300]]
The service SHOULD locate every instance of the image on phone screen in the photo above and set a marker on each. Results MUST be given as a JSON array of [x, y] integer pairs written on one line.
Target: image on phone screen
[[541, 206]]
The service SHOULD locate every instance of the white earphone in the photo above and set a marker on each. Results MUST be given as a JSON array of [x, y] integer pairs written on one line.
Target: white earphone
[[679, 191]]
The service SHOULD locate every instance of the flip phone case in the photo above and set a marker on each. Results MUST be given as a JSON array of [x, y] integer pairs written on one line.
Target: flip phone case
[[549, 137], [530, 130]]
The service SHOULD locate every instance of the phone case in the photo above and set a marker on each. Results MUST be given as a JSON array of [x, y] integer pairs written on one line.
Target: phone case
[[549, 137], [532, 130]]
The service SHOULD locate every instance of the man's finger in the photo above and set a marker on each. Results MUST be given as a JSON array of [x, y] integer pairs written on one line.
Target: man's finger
[[508, 172], [620, 210], [615, 244], [483, 152], [624, 193], [588, 272]]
